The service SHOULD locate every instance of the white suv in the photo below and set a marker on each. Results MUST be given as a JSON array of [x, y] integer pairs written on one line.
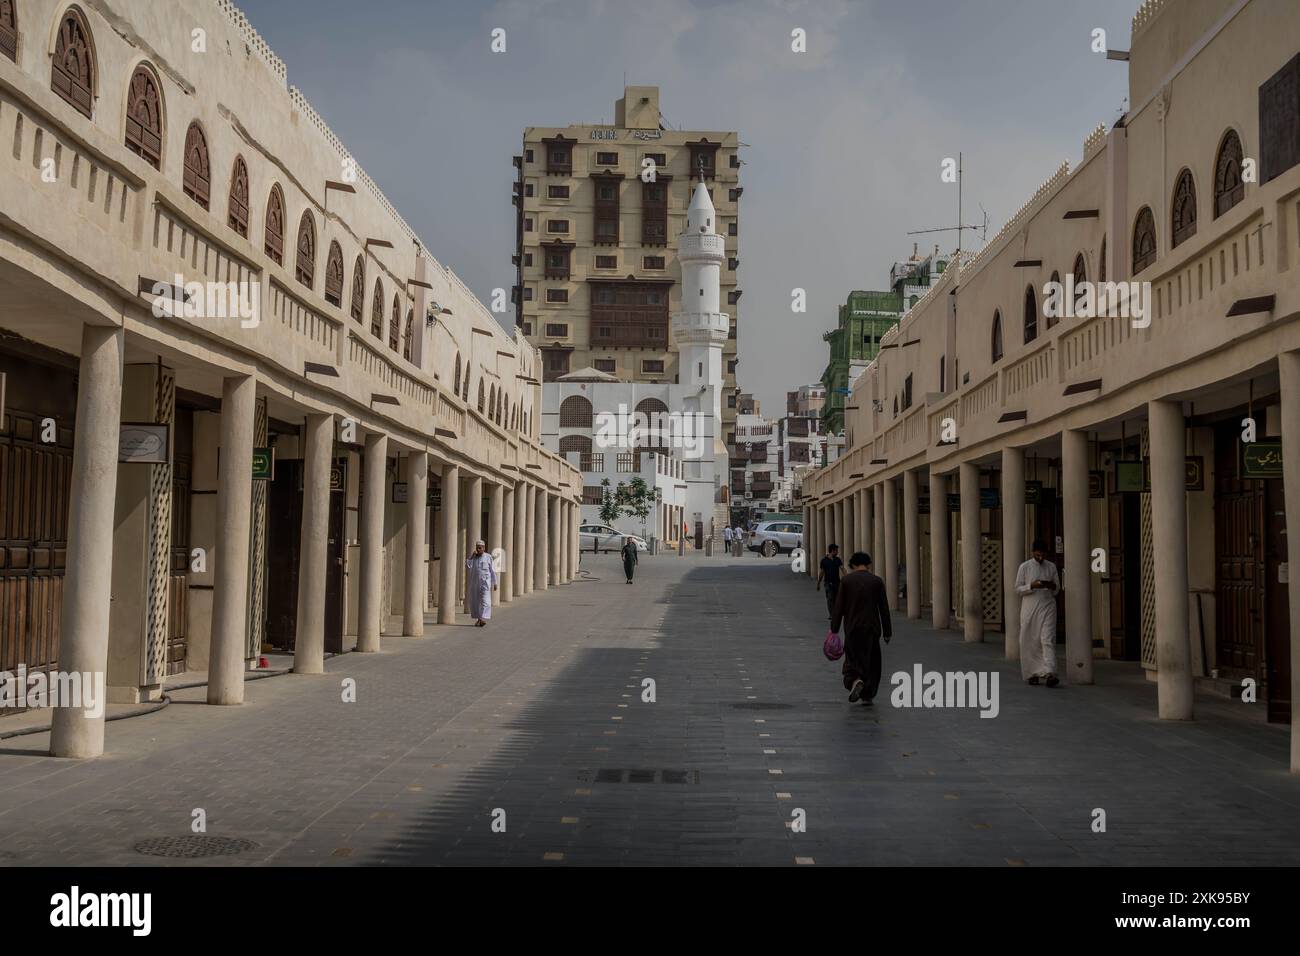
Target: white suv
[[773, 537]]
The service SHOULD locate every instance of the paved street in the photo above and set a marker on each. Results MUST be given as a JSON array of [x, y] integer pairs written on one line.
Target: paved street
[[541, 716]]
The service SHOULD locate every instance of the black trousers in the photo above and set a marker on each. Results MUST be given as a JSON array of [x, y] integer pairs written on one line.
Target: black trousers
[[830, 597], [629, 568], [862, 661]]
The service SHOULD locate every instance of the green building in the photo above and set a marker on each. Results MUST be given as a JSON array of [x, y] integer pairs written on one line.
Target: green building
[[863, 321]]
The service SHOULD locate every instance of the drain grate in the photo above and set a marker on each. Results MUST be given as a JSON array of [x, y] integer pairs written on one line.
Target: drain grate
[[760, 705], [613, 775], [193, 847]]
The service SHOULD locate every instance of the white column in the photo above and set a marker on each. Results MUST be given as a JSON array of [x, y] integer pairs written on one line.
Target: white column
[[1169, 547], [862, 537], [940, 559], [1289, 371], [553, 537], [496, 521], [1078, 556], [369, 588], [878, 529], [87, 582], [508, 543], [417, 503], [530, 539], [972, 597], [849, 544], [912, 542], [449, 544], [313, 551], [234, 518], [1013, 544], [891, 544], [518, 563], [541, 529], [809, 539]]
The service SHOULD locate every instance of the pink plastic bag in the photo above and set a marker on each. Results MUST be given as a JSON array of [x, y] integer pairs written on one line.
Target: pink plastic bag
[[833, 646]]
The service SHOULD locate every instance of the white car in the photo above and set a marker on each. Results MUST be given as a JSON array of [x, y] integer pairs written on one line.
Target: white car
[[772, 537], [601, 537]]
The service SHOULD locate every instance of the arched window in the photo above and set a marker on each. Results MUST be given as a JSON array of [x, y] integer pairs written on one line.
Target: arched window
[[275, 225], [456, 387], [144, 121], [651, 406], [501, 407], [1144, 240], [1056, 314], [1228, 187], [464, 395], [514, 415], [9, 29], [1184, 211], [1031, 315], [492, 401], [1080, 272], [238, 215], [358, 309], [997, 337], [482, 400], [408, 339], [197, 180], [377, 311], [305, 263], [575, 412], [579, 443], [395, 323], [334, 275], [72, 75], [1101, 262]]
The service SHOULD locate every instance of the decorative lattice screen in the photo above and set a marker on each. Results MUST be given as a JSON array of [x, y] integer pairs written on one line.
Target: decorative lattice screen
[[1148, 571]]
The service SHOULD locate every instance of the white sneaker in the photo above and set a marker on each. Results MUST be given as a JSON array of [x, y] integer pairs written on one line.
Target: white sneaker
[[856, 692]]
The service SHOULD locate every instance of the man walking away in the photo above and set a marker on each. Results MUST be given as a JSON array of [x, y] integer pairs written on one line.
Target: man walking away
[[1037, 583], [629, 558], [480, 582], [861, 607], [740, 541], [829, 571], [727, 535]]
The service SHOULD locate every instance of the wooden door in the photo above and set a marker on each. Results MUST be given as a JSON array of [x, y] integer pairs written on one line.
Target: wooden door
[[178, 584], [35, 491], [1239, 565], [1277, 607], [334, 561], [283, 543]]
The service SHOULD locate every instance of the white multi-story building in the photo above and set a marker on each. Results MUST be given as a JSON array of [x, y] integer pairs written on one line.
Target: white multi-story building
[[671, 433], [755, 472]]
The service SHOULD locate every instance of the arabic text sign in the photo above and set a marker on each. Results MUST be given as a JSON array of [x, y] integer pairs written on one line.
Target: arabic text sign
[[1261, 459]]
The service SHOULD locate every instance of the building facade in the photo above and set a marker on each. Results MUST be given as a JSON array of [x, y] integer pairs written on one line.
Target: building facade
[[1117, 373], [598, 209], [244, 405], [674, 429]]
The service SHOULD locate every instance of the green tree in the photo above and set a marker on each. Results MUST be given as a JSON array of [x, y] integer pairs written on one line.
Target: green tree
[[632, 499]]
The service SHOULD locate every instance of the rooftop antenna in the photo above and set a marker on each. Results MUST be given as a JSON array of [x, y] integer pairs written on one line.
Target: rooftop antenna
[[982, 229]]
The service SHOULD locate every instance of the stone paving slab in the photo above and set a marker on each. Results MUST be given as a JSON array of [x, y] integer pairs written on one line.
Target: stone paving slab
[[541, 716]]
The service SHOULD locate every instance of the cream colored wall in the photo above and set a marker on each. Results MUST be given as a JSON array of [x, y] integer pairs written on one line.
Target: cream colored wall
[[140, 223]]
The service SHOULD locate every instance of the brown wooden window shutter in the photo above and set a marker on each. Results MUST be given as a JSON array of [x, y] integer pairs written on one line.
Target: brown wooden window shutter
[[238, 217], [73, 73], [275, 225], [144, 117], [197, 179]]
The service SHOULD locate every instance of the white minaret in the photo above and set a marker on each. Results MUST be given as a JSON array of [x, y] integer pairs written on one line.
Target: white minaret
[[700, 328]]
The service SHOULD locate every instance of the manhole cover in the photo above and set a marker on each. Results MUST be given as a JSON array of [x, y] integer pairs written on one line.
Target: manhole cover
[[614, 775], [760, 705], [193, 847]]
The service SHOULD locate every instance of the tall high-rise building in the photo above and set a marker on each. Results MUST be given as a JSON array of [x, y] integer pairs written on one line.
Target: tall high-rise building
[[599, 208]]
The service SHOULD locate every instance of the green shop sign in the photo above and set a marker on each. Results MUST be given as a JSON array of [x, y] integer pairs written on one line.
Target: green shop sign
[[1261, 459]]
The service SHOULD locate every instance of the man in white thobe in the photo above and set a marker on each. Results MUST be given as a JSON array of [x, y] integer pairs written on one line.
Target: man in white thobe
[[480, 582], [1037, 583]]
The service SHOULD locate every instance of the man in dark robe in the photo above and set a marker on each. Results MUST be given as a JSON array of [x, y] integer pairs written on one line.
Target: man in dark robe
[[862, 610]]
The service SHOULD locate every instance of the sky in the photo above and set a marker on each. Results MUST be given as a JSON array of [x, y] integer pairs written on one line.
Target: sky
[[843, 143]]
